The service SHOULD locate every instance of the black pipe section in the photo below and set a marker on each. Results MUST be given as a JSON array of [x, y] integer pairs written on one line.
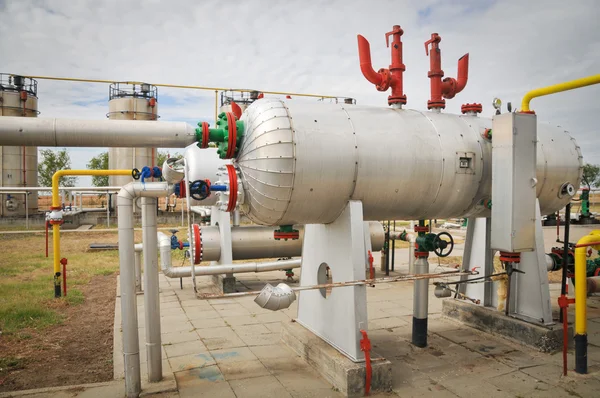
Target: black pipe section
[[419, 332], [57, 289], [581, 343]]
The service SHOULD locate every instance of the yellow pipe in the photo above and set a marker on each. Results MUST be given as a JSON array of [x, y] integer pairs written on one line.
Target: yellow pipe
[[216, 106], [580, 280], [56, 205], [241, 90], [557, 88]]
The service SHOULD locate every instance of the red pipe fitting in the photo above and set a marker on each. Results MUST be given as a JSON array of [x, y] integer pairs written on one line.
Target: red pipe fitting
[[385, 78], [448, 87]]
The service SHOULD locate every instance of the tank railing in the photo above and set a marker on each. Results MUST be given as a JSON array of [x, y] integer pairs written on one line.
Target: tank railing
[[11, 82], [74, 79], [126, 89]]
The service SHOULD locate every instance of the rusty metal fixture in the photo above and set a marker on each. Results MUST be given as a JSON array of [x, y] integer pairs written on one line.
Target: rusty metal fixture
[[402, 278]]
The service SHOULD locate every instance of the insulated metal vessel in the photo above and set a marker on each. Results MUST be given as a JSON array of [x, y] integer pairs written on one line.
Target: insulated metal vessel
[[203, 164], [255, 241], [18, 164], [301, 163], [131, 102]]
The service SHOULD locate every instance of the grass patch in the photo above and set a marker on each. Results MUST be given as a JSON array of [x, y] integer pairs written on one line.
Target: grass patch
[[26, 277], [11, 363]]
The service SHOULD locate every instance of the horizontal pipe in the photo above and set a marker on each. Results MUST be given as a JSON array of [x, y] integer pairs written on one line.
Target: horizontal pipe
[[94, 133], [241, 90], [76, 189], [557, 88], [164, 246]]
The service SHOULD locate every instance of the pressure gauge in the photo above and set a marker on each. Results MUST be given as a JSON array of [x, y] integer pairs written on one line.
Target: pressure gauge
[[497, 103]]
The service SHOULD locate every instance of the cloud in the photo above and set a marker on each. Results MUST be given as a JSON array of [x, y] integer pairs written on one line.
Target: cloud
[[307, 46]]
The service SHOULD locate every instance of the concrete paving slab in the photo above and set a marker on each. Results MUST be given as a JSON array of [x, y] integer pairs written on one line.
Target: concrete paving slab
[[209, 323], [264, 387], [219, 338], [243, 370], [185, 348], [272, 351], [178, 337], [230, 355], [191, 361]]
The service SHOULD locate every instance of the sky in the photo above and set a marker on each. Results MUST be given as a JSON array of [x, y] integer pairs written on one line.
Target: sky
[[304, 46]]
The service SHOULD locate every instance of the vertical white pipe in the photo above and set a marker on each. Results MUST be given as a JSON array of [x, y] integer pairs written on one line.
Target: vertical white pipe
[[151, 299], [189, 207], [420, 304], [138, 267], [131, 344], [27, 210], [107, 211], [236, 218]]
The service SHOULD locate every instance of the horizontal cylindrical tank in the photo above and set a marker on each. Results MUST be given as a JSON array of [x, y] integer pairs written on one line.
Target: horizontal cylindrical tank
[[255, 241], [131, 102], [18, 164], [203, 164], [300, 163]]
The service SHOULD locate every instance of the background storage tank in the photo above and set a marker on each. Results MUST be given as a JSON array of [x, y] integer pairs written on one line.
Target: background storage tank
[[301, 163], [18, 164], [129, 101]]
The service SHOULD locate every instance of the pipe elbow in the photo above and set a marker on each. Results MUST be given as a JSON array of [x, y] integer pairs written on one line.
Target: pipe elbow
[[275, 298], [463, 73], [366, 67]]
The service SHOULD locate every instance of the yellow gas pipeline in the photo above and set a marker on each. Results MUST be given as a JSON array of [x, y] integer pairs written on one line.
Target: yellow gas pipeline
[[557, 88], [56, 214], [593, 239]]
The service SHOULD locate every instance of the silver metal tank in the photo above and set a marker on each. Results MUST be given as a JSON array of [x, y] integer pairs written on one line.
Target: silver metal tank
[[300, 163], [18, 164], [256, 241], [131, 102], [203, 164]]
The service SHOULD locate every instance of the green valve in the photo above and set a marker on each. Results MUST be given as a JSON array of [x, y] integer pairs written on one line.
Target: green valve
[[223, 135]]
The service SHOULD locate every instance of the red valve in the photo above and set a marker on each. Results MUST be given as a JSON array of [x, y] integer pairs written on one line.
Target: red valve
[[385, 78], [448, 87], [365, 346]]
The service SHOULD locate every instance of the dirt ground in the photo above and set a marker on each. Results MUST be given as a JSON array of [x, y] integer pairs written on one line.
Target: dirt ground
[[77, 351]]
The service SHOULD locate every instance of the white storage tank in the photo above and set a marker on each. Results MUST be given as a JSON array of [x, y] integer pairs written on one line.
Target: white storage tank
[[18, 164], [300, 163], [131, 101]]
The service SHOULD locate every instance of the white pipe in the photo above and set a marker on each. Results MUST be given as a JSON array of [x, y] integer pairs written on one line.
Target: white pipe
[[138, 267], [236, 218], [17, 131], [131, 347], [411, 239], [49, 189], [131, 344], [164, 245], [151, 299]]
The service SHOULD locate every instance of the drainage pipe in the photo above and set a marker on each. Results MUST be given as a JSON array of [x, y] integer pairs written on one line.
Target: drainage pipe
[[164, 245], [131, 348], [94, 133], [138, 267], [151, 299]]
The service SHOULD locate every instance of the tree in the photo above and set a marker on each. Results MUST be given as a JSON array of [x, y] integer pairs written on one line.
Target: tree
[[52, 161], [99, 162], [162, 156], [591, 174]]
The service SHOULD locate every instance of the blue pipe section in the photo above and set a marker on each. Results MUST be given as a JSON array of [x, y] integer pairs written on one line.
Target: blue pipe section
[[218, 188], [150, 172]]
